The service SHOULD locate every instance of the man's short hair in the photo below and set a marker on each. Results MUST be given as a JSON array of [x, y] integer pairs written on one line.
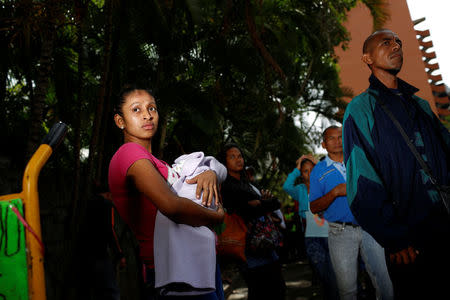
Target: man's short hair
[[328, 128], [370, 38]]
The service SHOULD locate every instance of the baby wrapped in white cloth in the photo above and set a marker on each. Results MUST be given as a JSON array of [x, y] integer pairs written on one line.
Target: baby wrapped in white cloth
[[185, 256]]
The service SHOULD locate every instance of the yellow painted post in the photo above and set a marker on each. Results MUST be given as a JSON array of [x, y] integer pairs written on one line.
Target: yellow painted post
[[11, 197], [30, 197], [30, 200]]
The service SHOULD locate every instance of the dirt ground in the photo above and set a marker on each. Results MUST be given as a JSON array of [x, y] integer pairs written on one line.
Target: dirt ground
[[301, 283], [298, 276]]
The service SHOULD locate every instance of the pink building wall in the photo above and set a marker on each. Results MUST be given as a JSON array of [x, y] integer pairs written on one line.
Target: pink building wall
[[354, 73]]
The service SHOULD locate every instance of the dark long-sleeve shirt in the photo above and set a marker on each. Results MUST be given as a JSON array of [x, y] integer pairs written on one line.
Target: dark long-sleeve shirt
[[388, 192], [236, 195]]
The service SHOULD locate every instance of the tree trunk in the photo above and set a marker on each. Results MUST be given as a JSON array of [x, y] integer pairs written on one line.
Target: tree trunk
[[3, 79], [108, 101], [80, 204], [80, 10], [258, 44], [42, 85], [162, 141], [93, 148], [48, 21], [105, 120]]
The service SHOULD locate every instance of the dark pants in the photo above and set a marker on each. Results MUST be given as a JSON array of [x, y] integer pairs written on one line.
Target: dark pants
[[427, 278], [104, 280], [265, 282], [319, 258], [151, 293]]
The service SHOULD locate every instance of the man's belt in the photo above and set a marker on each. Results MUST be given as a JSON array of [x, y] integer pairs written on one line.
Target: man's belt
[[345, 224]]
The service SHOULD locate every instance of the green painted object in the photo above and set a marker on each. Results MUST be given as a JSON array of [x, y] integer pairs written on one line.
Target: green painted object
[[13, 258]]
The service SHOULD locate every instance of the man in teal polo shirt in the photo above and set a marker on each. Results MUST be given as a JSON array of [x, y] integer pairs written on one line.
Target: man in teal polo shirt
[[346, 239]]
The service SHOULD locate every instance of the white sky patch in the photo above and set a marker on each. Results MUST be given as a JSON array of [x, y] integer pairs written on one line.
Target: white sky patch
[[319, 125], [437, 20]]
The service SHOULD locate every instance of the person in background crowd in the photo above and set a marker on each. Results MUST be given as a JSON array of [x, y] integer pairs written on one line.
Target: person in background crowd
[[346, 239], [100, 247], [316, 233], [293, 239], [277, 215], [390, 194], [262, 271]]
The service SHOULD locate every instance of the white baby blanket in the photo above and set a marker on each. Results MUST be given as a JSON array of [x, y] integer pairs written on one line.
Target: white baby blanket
[[185, 256]]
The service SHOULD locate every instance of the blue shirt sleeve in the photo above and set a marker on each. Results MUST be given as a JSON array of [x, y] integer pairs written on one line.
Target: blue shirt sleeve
[[315, 188]]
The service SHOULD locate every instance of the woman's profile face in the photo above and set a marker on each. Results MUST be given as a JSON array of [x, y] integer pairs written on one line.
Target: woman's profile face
[[306, 170], [234, 160], [139, 120]]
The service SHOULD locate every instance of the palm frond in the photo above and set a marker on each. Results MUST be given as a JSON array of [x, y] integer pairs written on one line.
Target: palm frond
[[379, 9]]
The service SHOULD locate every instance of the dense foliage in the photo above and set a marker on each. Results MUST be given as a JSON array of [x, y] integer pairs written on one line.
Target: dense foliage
[[226, 70], [221, 70]]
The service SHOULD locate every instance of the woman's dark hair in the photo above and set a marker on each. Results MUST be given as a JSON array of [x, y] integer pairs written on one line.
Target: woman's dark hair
[[222, 157], [300, 178], [124, 93], [304, 161]]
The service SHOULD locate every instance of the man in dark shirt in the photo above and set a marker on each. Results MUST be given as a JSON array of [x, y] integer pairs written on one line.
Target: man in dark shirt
[[389, 193]]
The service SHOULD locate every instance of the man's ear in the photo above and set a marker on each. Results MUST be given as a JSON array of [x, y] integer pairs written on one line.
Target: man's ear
[[367, 59], [323, 145], [119, 121]]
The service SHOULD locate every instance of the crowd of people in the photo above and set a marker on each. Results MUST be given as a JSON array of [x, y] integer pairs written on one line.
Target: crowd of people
[[369, 205]]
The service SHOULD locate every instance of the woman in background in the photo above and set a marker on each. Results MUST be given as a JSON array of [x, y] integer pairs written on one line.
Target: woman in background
[[316, 232], [262, 271]]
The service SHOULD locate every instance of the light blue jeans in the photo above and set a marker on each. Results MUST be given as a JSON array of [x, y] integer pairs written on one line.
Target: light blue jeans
[[345, 243]]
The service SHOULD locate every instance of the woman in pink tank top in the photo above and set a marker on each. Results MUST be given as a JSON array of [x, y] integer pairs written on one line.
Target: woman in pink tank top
[[137, 179]]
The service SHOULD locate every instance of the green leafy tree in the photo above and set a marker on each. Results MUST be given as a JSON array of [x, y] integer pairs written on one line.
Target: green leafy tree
[[227, 70]]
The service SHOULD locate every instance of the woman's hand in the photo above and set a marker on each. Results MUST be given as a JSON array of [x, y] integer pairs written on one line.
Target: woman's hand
[[220, 211], [311, 158], [306, 156], [208, 185], [266, 194]]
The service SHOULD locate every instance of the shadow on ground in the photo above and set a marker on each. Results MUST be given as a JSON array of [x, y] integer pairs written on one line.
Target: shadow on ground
[[300, 284]]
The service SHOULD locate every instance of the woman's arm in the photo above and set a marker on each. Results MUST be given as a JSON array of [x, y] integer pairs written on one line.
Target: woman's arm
[[289, 186], [180, 210], [266, 204]]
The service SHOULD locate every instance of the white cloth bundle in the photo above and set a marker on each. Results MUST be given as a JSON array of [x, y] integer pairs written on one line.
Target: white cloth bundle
[[185, 256]]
